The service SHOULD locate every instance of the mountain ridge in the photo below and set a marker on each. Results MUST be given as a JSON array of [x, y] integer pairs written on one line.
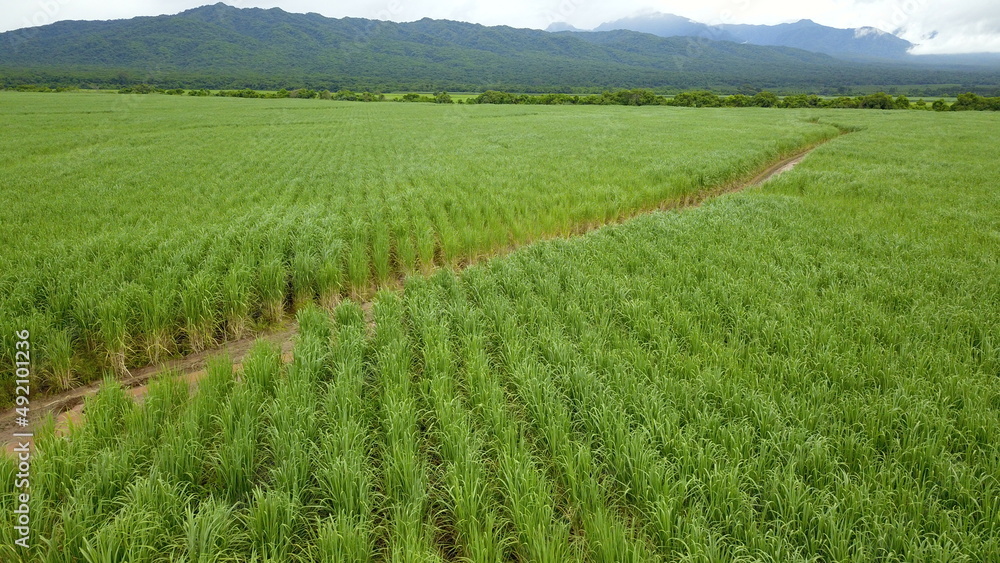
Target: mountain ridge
[[220, 46], [850, 43]]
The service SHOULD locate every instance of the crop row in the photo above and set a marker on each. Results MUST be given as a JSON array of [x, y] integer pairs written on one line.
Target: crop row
[[806, 372], [118, 255]]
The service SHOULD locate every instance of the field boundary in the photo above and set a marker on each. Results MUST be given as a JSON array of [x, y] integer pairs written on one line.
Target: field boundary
[[67, 406]]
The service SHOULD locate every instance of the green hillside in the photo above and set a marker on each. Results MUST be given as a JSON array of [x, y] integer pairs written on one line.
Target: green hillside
[[223, 47]]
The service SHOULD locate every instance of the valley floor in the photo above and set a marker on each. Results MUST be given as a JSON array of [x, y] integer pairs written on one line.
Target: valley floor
[[805, 370]]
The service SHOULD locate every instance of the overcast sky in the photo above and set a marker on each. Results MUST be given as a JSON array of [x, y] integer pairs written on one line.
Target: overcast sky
[[938, 26]]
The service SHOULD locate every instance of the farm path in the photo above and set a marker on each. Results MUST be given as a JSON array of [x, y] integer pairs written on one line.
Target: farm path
[[67, 406]]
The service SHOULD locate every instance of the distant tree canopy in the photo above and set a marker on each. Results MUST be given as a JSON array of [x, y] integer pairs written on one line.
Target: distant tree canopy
[[878, 100], [970, 101], [635, 97], [697, 99], [704, 98]]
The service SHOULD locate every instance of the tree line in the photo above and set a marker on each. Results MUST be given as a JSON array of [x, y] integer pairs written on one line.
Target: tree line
[[637, 97], [704, 98]]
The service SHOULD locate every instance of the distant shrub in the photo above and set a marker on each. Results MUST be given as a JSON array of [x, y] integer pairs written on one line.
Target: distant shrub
[[697, 99], [140, 89], [878, 100], [975, 102], [737, 101], [557, 99], [638, 97], [414, 97], [842, 102], [495, 97], [346, 96], [244, 93], [801, 101], [764, 100], [32, 88], [303, 93]]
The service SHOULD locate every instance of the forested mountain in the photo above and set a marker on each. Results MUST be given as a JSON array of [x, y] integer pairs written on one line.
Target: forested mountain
[[221, 46]]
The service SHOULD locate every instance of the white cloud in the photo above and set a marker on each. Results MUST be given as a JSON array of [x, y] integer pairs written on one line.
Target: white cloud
[[961, 25]]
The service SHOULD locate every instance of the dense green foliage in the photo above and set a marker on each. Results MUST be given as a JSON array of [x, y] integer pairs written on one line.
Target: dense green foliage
[[970, 101], [801, 372], [637, 97], [703, 98], [221, 47], [139, 227]]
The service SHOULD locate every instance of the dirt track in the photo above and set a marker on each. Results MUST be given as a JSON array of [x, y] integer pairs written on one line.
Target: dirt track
[[68, 406], [780, 167]]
